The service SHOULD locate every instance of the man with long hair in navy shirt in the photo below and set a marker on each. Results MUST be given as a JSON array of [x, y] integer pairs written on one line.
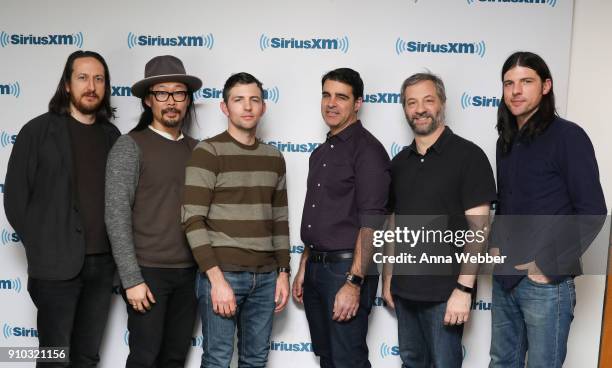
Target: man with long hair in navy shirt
[[551, 207]]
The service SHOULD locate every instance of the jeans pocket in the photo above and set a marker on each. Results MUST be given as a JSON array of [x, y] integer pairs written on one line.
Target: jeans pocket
[[339, 269], [539, 284]]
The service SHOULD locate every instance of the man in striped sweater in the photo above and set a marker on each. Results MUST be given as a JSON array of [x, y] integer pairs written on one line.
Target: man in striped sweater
[[235, 217]]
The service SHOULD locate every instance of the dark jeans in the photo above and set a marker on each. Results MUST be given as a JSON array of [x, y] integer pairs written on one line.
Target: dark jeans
[[338, 344], [424, 340], [161, 337], [72, 313]]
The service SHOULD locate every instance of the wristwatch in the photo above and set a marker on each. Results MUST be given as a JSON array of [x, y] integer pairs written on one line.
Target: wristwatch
[[354, 279], [284, 269]]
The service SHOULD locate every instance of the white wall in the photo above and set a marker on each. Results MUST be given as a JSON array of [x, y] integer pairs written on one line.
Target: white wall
[[589, 97], [373, 29]]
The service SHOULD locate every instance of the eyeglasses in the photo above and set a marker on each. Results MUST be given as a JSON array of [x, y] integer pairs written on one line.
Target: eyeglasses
[[162, 96]]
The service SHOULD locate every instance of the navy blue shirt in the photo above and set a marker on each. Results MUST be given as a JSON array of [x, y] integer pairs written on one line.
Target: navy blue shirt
[[547, 180], [347, 189]]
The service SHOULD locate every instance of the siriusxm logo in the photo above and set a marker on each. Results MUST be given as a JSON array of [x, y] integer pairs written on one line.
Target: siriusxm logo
[[10, 89], [294, 147], [296, 249], [395, 149], [551, 3], [301, 347], [339, 43], [9, 331], [13, 285], [6, 139], [74, 39], [121, 91], [270, 94], [382, 97], [481, 305], [207, 41], [478, 101], [387, 351], [476, 48], [7, 237]]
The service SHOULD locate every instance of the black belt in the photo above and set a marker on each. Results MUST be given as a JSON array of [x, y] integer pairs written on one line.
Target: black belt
[[330, 257]]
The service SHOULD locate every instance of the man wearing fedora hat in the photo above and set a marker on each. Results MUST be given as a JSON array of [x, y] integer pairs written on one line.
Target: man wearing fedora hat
[[144, 185]]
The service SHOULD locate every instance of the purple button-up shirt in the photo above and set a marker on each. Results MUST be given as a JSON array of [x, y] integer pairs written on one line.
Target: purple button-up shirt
[[347, 189]]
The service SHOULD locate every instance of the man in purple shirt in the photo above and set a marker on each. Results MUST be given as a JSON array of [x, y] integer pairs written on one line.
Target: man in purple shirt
[[347, 190], [550, 208]]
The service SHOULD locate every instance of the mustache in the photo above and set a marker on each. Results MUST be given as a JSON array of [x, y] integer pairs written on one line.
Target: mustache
[[422, 115], [171, 109], [90, 94]]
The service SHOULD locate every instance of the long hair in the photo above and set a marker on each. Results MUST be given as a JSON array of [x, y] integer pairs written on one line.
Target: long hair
[[538, 123], [146, 118], [60, 102]]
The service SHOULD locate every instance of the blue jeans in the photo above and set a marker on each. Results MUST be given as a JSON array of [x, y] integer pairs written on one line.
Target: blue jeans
[[531, 317], [337, 344], [424, 340], [254, 294]]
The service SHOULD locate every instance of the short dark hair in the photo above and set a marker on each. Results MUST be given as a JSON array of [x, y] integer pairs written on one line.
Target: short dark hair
[[240, 78], [507, 127], [422, 77], [60, 102], [346, 76]]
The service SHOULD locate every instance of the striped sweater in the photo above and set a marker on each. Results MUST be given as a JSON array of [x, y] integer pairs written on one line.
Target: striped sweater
[[234, 209]]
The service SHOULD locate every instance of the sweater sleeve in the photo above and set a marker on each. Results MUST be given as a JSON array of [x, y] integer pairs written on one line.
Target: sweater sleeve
[[200, 179], [122, 173], [280, 215]]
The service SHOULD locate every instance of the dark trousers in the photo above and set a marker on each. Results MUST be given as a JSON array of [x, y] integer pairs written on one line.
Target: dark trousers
[[161, 337], [72, 313], [338, 344], [424, 340]]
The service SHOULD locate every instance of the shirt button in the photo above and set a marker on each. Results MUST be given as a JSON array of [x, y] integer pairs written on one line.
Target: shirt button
[[318, 184], [324, 165], [422, 160], [313, 205], [309, 226], [332, 146]]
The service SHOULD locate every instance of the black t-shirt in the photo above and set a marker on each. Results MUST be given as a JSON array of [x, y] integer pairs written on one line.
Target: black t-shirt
[[432, 192], [90, 148]]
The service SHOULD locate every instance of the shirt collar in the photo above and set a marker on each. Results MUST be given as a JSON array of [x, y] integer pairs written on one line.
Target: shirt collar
[[438, 145], [347, 132], [166, 135]]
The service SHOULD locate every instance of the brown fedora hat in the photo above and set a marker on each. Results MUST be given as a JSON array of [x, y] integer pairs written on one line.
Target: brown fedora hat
[[165, 68]]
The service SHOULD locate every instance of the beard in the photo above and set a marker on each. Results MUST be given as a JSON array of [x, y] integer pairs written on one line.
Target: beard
[[171, 122], [429, 128], [84, 107]]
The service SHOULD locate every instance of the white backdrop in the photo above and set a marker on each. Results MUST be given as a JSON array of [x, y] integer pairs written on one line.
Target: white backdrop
[[214, 39]]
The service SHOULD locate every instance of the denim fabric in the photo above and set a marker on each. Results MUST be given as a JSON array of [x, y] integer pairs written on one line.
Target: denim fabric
[[338, 344], [254, 294], [424, 340], [532, 319]]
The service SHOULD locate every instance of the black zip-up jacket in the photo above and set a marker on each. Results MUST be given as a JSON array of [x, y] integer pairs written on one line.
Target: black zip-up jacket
[[40, 197]]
